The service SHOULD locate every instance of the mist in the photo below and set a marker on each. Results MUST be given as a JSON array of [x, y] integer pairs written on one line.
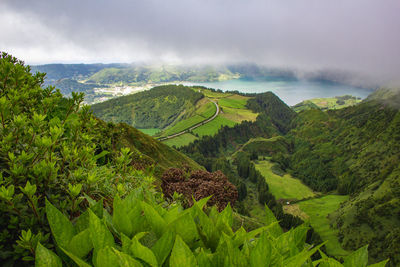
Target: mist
[[358, 36]]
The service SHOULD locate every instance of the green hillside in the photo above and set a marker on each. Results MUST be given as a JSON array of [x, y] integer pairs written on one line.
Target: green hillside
[[155, 108], [159, 74], [355, 151], [327, 103]]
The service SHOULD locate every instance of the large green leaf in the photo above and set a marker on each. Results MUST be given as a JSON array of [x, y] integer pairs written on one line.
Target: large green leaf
[[181, 255], [120, 217], [106, 258], [227, 254], [138, 220], [204, 259], [379, 264], [62, 229], [141, 252], [45, 257], [206, 228], [202, 202], [301, 257], [260, 255], [226, 215], [163, 246], [329, 262], [172, 214], [77, 260], [99, 234], [157, 223], [125, 260], [81, 244], [276, 230], [185, 227], [358, 258]]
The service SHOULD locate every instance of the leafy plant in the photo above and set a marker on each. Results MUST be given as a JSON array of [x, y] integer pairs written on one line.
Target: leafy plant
[[141, 232], [50, 147]]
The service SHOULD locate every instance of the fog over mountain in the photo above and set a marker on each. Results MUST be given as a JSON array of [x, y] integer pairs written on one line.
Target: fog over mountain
[[360, 35]]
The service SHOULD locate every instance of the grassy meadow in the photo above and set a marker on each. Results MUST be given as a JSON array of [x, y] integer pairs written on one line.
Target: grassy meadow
[[150, 131], [213, 126], [317, 210], [283, 186], [181, 140]]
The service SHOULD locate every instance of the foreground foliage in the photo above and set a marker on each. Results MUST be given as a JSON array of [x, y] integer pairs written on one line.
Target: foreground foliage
[[141, 232]]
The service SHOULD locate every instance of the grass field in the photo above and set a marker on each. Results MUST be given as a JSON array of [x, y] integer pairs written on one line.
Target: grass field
[[238, 115], [327, 103], [181, 140], [211, 94], [213, 126], [234, 101], [285, 186], [150, 131], [205, 110], [183, 125], [318, 209]]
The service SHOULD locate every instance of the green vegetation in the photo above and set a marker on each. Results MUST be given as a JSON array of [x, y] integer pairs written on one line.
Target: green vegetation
[[354, 151], [150, 131], [318, 210], [283, 187], [212, 127], [181, 140], [234, 101], [175, 237], [158, 74], [327, 103], [202, 113], [155, 108], [238, 115]]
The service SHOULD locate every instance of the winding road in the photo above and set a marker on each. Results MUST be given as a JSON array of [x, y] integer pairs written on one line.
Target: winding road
[[192, 127]]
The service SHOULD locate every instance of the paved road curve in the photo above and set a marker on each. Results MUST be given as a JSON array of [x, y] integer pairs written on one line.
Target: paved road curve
[[193, 127]]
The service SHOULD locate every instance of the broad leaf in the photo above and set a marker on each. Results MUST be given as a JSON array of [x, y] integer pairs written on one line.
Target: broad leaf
[[163, 246], [185, 227], [379, 264], [358, 258], [125, 260], [99, 234], [77, 260], [157, 223], [141, 252], [204, 259], [120, 217], [62, 229], [106, 258], [261, 254], [329, 262], [302, 257], [45, 257], [81, 244], [276, 230], [181, 255]]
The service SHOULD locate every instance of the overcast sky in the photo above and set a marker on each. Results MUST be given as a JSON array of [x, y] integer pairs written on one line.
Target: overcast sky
[[356, 35]]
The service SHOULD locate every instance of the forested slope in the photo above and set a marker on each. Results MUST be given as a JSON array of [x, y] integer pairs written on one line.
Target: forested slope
[[356, 151], [155, 108]]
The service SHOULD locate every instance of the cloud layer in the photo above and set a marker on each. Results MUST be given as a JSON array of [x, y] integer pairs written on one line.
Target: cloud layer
[[356, 35]]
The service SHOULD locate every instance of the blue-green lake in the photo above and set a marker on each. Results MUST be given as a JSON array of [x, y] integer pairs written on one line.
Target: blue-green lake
[[290, 91]]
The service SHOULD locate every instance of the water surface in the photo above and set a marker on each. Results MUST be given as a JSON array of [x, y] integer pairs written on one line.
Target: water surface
[[290, 91]]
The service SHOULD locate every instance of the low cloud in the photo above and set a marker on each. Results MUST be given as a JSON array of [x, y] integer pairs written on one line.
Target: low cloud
[[359, 35]]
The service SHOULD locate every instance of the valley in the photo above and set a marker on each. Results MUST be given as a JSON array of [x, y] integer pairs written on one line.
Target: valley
[[302, 166]]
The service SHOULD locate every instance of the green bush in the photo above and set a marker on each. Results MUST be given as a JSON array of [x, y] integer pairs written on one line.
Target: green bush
[[50, 147]]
